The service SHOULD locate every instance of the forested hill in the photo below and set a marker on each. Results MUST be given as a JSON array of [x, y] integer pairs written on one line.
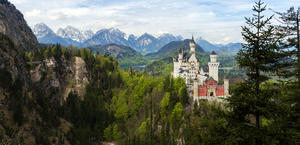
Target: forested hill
[[128, 57], [63, 95], [172, 49]]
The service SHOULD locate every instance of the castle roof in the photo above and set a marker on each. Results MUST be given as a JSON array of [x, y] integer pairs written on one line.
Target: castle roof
[[193, 41], [205, 69], [209, 78], [213, 53], [187, 55]]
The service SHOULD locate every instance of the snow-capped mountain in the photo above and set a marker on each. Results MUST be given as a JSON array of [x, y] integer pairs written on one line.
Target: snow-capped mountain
[[88, 34], [169, 38], [72, 33], [146, 43], [46, 35], [107, 36], [41, 30], [69, 35]]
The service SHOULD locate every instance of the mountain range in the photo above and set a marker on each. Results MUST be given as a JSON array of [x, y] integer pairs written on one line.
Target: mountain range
[[144, 44], [221, 49]]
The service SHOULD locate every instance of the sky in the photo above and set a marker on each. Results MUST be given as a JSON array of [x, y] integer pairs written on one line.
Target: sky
[[218, 21]]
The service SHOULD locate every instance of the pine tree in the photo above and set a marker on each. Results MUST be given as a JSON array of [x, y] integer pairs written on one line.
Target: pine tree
[[290, 29], [259, 57]]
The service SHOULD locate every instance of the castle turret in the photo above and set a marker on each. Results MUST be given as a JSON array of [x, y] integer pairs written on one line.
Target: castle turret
[[192, 46], [180, 55], [195, 90], [213, 66]]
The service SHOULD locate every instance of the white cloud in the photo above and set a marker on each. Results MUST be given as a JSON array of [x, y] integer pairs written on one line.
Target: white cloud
[[32, 14], [18, 1], [218, 21]]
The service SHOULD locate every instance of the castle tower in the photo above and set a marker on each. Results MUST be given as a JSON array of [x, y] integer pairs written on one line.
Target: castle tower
[[178, 63], [213, 66], [192, 45], [195, 90], [180, 55], [226, 87]]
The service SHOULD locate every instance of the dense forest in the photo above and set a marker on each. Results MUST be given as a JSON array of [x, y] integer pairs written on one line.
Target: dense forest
[[130, 107]]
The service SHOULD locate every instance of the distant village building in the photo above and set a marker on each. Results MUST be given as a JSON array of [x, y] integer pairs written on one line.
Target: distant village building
[[201, 84]]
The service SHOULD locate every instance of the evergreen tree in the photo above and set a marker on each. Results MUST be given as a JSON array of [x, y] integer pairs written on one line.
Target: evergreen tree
[[259, 57], [290, 29]]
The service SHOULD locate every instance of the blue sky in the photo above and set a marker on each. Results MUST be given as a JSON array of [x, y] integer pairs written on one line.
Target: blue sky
[[218, 21]]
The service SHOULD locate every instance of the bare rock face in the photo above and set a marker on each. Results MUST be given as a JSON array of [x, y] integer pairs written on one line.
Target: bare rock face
[[12, 24], [80, 76], [59, 78], [36, 74], [78, 79]]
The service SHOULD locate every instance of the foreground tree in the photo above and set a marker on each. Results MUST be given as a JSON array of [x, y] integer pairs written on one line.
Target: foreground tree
[[290, 29], [259, 57]]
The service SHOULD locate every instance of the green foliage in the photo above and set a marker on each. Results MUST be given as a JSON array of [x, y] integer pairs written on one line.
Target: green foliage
[[176, 118], [143, 130], [257, 106], [290, 29], [259, 54]]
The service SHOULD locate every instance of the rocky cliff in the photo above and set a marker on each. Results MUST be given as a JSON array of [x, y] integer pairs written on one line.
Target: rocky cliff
[[26, 85], [30, 89]]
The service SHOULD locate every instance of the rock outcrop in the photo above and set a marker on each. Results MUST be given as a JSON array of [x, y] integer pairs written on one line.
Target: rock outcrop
[[72, 77]]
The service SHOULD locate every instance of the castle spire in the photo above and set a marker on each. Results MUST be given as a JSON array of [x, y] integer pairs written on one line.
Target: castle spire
[[193, 39], [192, 45]]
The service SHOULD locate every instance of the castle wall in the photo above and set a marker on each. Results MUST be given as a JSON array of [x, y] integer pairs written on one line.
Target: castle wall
[[214, 70]]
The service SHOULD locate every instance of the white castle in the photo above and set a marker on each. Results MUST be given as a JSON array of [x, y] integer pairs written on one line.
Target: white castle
[[201, 84]]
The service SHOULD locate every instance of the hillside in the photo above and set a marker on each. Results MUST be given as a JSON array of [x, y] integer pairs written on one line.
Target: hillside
[[229, 49], [13, 25], [127, 56], [172, 49]]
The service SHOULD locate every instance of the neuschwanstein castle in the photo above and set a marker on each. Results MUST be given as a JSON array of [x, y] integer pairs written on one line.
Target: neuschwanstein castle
[[201, 84]]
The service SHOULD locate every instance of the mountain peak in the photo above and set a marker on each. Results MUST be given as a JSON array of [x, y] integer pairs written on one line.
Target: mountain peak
[[41, 30], [70, 32], [165, 35], [146, 35], [114, 30]]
